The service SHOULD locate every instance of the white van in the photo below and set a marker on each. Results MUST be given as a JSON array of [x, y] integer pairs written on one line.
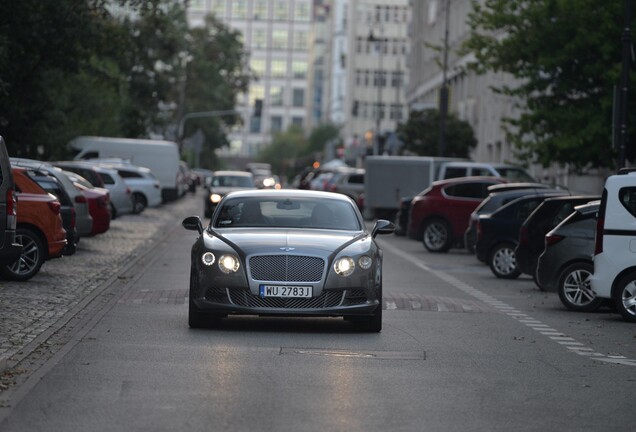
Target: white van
[[161, 157], [469, 169]]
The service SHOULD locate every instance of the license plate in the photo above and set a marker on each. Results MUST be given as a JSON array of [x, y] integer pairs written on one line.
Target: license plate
[[285, 291]]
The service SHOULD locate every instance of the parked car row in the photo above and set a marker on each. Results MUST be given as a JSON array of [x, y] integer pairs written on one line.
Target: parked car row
[[47, 207]]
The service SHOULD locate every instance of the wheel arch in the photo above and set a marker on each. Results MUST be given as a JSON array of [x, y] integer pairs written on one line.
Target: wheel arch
[[620, 276]]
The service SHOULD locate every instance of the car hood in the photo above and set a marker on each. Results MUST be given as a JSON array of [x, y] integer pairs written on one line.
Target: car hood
[[309, 242]]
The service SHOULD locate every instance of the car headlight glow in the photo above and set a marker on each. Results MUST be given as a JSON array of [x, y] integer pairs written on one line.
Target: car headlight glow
[[208, 258], [365, 262], [344, 266], [229, 264], [215, 198]]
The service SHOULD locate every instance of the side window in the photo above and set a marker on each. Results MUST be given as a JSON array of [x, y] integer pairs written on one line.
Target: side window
[[468, 190], [128, 174], [107, 179], [453, 172], [565, 211], [525, 209], [627, 197], [356, 179], [482, 172]]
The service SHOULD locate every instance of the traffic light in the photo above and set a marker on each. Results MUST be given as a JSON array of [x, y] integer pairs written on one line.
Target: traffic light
[[258, 107]]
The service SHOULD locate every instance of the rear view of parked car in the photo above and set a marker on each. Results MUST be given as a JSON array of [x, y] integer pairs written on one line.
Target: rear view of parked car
[[9, 249], [39, 231], [98, 202], [566, 264]]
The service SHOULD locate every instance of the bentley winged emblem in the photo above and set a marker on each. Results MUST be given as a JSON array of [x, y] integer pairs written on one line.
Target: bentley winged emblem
[[287, 249]]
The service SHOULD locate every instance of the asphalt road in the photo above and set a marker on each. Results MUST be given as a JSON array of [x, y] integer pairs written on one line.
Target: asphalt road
[[460, 351]]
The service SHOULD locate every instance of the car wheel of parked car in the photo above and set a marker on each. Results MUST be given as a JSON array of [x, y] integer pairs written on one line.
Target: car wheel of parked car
[[31, 258], [502, 261], [437, 236], [625, 297], [574, 288], [139, 203]]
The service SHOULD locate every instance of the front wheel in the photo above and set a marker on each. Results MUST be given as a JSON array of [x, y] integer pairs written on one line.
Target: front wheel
[[625, 297], [502, 261], [139, 203], [31, 258], [574, 288], [437, 236]]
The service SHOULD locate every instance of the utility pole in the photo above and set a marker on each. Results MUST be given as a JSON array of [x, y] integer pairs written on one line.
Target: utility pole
[[626, 39], [443, 91]]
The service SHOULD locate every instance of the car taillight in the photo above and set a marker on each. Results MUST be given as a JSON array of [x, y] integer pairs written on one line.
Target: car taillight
[[80, 199], [598, 244], [55, 207], [552, 239], [524, 239]]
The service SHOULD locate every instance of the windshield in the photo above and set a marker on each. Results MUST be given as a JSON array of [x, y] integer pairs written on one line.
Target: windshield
[[280, 212], [232, 181]]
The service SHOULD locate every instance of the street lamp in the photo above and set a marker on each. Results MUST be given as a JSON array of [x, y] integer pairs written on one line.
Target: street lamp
[[379, 81]]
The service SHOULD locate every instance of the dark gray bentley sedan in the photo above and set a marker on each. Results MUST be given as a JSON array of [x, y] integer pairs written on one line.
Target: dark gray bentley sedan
[[286, 253]]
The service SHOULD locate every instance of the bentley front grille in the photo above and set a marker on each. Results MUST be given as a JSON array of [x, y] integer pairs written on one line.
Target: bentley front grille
[[325, 300], [286, 268]]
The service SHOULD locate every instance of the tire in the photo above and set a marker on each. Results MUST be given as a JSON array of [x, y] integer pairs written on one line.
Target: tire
[[624, 297], [502, 261], [139, 203], [113, 212], [574, 288], [31, 258], [196, 318], [437, 236]]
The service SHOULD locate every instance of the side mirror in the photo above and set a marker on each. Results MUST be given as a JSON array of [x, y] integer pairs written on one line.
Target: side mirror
[[382, 227], [193, 223]]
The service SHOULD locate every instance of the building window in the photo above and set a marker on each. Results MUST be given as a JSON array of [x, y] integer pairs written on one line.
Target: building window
[[297, 121], [281, 10], [397, 77], [279, 39], [239, 9], [255, 124], [301, 41], [279, 69], [276, 94], [379, 78], [256, 92], [299, 69], [298, 98], [276, 123], [259, 38], [219, 7], [260, 10], [258, 67], [396, 112], [197, 5], [302, 12]]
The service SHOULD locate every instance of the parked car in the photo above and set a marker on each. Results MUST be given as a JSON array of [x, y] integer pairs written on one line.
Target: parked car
[[457, 169], [239, 268], [98, 202], [39, 231], [614, 265], [566, 264], [83, 219], [349, 181], [222, 183], [439, 215], [498, 233], [67, 210], [498, 196], [120, 193], [533, 230], [87, 171], [9, 249]]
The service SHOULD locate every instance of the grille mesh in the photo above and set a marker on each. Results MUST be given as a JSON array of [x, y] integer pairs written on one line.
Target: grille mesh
[[327, 299], [286, 268]]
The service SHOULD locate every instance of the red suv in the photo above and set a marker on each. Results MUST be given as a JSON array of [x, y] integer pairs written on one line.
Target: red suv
[[439, 215], [39, 228]]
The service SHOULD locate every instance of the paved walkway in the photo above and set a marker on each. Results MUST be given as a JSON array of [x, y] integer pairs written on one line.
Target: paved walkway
[[32, 308]]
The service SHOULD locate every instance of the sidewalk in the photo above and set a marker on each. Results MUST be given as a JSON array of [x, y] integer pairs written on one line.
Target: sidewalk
[[39, 306]]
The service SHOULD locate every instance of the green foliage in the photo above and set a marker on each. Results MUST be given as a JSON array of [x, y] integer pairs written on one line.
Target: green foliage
[[420, 135], [566, 58], [285, 150], [320, 135]]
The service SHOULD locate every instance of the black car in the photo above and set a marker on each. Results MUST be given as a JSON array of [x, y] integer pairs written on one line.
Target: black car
[[498, 196], [9, 249], [532, 232], [498, 233]]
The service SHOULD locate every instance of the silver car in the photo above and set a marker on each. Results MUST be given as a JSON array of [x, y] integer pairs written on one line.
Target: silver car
[[286, 253]]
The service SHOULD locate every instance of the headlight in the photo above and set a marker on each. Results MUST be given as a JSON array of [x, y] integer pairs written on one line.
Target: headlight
[[215, 198], [208, 258], [365, 262], [344, 266], [229, 264]]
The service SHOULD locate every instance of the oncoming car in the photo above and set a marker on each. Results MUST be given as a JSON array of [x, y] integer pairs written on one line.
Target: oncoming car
[[286, 253]]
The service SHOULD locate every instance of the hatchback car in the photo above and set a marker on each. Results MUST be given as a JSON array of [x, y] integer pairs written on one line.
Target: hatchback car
[[40, 230], [566, 264], [222, 183], [439, 215], [145, 188], [289, 253], [9, 249], [498, 234], [98, 202], [533, 230], [614, 265]]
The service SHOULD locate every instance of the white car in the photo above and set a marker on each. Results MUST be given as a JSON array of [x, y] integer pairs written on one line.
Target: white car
[[145, 187], [615, 251]]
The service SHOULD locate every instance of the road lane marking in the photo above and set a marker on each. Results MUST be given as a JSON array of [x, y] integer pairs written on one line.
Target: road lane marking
[[506, 309]]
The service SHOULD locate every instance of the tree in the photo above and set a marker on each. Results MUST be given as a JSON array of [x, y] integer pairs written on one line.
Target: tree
[[565, 56], [284, 149], [420, 134]]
